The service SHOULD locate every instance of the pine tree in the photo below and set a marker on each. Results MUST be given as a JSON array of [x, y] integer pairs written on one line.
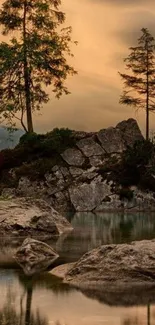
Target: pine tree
[[34, 57], [139, 86]]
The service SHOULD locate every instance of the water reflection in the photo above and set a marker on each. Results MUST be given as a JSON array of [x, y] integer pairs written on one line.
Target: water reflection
[[44, 300], [92, 230], [10, 316]]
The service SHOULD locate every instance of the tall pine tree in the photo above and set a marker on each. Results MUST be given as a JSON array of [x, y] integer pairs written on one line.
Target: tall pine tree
[[139, 85], [35, 56]]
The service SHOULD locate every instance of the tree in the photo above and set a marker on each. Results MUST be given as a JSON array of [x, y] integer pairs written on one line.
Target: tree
[[139, 86], [35, 57]]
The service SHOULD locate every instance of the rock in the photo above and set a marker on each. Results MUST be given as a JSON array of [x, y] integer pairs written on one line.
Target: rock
[[73, 157], [87, 197], [115, 265], [111, 140], [130, 131], [29, 188], [8, 193], [97, 161], [31, 217], [75, 171], [110, 203], [35, 256], [78, 135], [89, 147]]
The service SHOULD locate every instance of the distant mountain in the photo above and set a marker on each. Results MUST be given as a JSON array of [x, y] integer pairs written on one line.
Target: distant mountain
[[9, 140]]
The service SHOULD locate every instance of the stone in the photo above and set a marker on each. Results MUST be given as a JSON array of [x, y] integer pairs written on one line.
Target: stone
[[29, 188], [89, 147], [130, 131], [73, 157], [97, 161], [35, 256], [75, 171], [8, 193], [31, 217], [78, 135], [111, 140], [110, 203], [122, 265], [87, 197]]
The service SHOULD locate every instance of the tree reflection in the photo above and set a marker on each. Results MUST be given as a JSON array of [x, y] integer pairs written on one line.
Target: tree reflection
[[137, 321], [10, 316]]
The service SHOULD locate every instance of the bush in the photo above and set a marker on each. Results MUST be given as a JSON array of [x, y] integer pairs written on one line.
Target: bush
[[135, 161], [126, 193]]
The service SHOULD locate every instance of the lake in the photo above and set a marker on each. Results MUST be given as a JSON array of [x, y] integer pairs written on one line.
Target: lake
[[45, 300]]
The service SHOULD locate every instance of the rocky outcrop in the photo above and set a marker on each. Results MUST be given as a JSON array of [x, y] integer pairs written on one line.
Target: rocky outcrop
[[123, 265], [22, 217], [35, 256], [81, 179]]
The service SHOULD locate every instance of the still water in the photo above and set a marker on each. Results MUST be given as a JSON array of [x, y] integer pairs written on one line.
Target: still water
[[44, 300]]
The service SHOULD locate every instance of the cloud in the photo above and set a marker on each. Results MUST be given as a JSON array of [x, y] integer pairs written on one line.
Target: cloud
[[123, 3]]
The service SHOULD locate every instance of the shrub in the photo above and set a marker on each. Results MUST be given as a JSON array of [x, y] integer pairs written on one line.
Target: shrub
[[126, 193]]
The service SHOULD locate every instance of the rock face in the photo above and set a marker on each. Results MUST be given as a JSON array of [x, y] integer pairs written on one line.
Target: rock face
[[90, 148], [35, 256], [111, 140], [87, 197], [130, 131], [73, 157], [115, 265], [30, 217]]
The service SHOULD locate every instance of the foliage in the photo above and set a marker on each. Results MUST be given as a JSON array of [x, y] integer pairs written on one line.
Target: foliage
[[37, 169], [34, 59], [126, 193], [33, 147], [139, 90], [135, 163]]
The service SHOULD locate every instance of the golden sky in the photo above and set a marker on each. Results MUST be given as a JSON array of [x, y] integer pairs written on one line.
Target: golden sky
[[104, 30]]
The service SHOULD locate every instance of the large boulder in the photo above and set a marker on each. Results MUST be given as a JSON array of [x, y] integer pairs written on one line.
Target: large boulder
[[73, 157], [89, 147], [86, 197], [130, 131], [30, 217], [111, 140], [125, 265], [35, 256]]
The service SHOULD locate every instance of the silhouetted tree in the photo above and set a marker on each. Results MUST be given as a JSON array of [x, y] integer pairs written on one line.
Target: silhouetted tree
[[139, 86], [35, 57]]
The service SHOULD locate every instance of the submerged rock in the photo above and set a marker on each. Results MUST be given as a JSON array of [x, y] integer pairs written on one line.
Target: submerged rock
[[35, 256], [30, 217], [125, 265]]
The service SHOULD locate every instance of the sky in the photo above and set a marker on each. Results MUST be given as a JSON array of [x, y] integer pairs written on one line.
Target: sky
[[104, 29]]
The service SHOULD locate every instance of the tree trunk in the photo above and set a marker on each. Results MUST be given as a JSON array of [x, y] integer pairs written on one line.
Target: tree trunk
[[147, 99], [26, 75]]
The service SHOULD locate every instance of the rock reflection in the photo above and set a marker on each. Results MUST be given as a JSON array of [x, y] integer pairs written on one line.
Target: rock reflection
[[92, 230]]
